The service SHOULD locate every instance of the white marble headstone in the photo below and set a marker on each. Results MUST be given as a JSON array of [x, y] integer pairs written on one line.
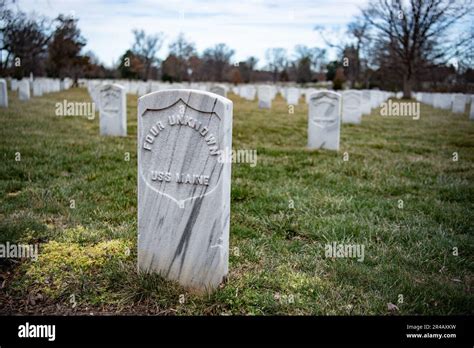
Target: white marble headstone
[[264, 97], [352, 107], [14, 84], [219, 90], [250, 92], [324, 120], [3, 93], [366, 103], [428, 98], [292, 96], [375, 99], [184, 186], [113, 110], [37, 88], [459, 103], [445, 101], [143, 88], [24, 89]]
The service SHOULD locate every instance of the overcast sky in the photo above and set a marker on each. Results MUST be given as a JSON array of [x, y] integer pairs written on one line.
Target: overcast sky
[[247, 26]]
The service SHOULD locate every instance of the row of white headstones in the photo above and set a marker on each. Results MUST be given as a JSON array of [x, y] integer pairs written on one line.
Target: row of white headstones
[[183, 187], [266, 93], [32, 87], [184, 178], [456, 102], [326, 109], [111, 98]]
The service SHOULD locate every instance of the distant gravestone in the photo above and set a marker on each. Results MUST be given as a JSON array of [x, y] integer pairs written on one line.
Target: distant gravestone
[[459, 103], [471, 113], [307, 94], [352, 107], [3, 93], [428, 98], [292, 96], [244, 92], [113, 110], [155, 86], [94, 91], [445, 101], [250, 92], [37, 88], [265, 97], [324, 120], [375, 99], [14, 84], [184, 186], [24, 90], [219, 90], [366, 103], [437, 100], [143, 88], [56, 85], [48, 86]]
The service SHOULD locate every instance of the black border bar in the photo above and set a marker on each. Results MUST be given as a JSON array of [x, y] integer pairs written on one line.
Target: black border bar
[[225, 329]]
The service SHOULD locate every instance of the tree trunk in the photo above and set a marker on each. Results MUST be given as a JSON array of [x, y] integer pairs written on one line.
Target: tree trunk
[[407, 85]]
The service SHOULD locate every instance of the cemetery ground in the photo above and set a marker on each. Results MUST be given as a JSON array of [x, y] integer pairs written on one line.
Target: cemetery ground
[[400, 194]]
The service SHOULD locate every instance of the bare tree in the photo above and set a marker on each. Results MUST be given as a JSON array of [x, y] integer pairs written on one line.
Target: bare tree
[[251, 63], [277, 61], [64, 50], [415, 32], [183, 50], [353, 48], [307, 60], [146, 47], [24, 39], [217, 59], [246, 70]]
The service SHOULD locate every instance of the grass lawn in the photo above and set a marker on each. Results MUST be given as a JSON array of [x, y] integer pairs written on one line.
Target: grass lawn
[[74, 192]]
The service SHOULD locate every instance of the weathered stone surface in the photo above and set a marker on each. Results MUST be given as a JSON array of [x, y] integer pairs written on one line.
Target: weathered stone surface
[[219, 90], [37, 88], [264, 97], [351, 107], [445, 101], [292, 96], [459, 103], [366, 104], [324, 120], [248, 92], [143, 88], [24, 90], [113, 110], [184, 186], [14, 84]]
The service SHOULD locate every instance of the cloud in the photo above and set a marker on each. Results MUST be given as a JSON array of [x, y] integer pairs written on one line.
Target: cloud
[[248, 26]]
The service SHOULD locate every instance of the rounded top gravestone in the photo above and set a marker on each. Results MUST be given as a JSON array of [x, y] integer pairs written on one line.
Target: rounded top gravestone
[[181, 136], [324, 115], [184, 186], [352, 106], [326, 109]]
